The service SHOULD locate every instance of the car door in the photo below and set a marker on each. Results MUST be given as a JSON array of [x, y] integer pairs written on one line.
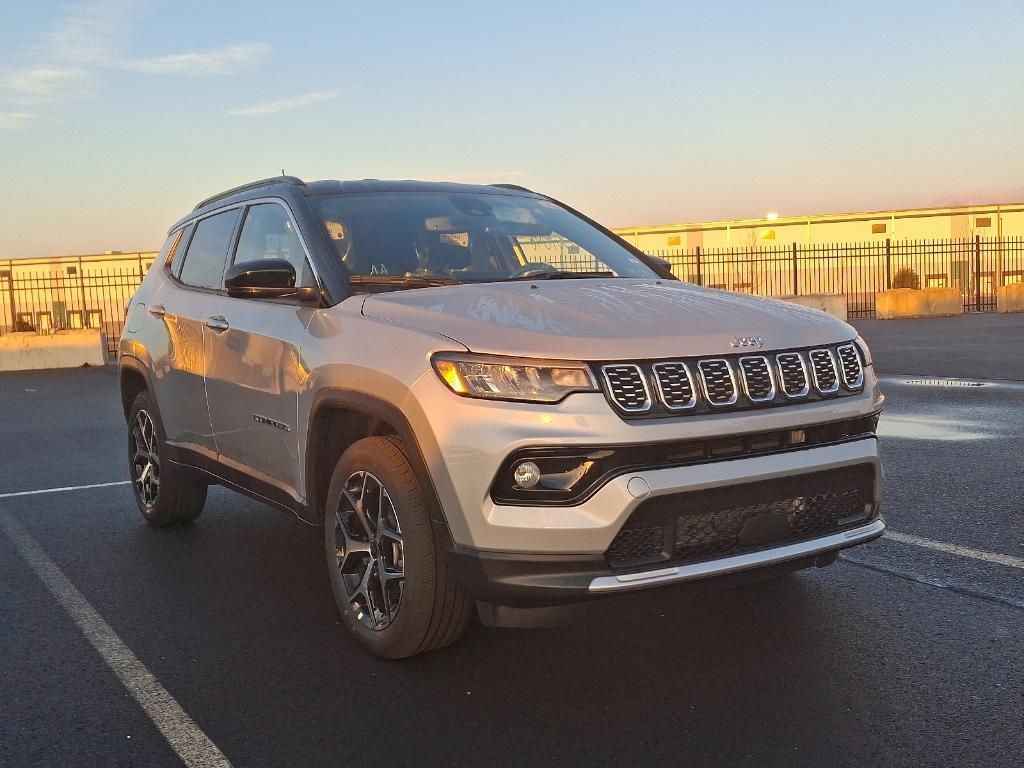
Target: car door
[[183, 303], [253, 362]]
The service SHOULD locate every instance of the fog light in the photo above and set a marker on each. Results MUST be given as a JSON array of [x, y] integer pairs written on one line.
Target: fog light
[[526, 474]]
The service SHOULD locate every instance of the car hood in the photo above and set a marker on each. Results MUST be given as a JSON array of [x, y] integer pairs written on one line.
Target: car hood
[[598, 319]]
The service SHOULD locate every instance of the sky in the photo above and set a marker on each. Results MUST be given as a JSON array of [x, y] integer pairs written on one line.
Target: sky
[[116, 116]]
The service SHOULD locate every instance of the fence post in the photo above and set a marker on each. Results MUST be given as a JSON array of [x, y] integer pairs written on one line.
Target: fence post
[[10, 290], [81, 289], [796, 279], [700, 277], [977, 273], [888, 264]]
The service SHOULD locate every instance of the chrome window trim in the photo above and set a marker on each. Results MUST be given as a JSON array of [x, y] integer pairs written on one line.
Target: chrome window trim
[[735, 563], [732, 378], [689, 377], [643, 380], [782, 377], [859, 381], [832, 358], [771, 378]]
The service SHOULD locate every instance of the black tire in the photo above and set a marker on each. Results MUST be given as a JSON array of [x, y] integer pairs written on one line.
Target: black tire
[[179, 495], [430, 611]]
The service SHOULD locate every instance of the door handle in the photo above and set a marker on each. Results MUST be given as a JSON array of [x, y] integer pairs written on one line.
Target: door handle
[[157, 310], [216, 323]]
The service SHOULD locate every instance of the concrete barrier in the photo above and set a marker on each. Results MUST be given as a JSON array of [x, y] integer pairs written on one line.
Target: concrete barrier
[[833, 303], [63, 349], [1010, 298], [921, 302]]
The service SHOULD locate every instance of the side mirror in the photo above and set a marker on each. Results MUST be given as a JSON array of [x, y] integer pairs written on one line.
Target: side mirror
[[264, 279]]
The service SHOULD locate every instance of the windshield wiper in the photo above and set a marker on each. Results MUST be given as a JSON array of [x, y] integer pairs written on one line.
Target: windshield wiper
[[402, 281], [562, 274]]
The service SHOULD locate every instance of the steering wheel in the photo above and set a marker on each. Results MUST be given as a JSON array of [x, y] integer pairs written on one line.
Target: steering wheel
[[531, 269]]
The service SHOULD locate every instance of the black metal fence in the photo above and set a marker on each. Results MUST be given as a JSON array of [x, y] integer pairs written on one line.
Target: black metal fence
[[92, 292], [47, 296], [859, 270]]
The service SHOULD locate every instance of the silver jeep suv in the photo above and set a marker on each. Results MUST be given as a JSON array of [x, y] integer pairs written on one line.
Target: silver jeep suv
[[487, 399]]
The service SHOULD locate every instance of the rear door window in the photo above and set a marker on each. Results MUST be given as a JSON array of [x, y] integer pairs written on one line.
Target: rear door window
[[208, 251]]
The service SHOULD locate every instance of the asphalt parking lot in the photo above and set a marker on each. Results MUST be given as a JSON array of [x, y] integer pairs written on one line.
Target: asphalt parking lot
[[907, 652]]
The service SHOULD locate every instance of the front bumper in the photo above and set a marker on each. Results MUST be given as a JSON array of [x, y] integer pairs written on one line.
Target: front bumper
[[546, 580], [465, 442]]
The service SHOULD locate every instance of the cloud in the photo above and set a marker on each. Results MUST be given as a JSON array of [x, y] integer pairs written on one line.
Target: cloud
[[46, 81], [12, 121], [213, 61], [292, 102], [88, 39]]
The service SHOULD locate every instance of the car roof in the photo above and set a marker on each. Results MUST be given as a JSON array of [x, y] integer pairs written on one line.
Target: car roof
[[279, 185]]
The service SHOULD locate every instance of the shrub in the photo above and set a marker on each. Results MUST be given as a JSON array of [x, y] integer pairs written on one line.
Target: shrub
[[906, 278]]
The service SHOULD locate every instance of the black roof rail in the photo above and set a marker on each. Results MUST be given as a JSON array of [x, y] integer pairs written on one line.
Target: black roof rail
[[516, 187], [293, 180]]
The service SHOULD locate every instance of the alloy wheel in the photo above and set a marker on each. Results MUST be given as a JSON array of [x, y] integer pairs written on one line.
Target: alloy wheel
[[369, 552], [145, 460]]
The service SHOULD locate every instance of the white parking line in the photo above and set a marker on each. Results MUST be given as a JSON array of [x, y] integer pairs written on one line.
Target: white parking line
[[64, 489], [956, 549], [185, 737]]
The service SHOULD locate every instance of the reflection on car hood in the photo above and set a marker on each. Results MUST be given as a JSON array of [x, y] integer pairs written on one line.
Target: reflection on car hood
[[597, 319]]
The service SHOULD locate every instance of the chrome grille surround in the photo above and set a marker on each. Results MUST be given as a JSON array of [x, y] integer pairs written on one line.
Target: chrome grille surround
[[676, 387], [627, 384], [718, 380], [758, 380], [850, 366], [823, 368], [793, 370]]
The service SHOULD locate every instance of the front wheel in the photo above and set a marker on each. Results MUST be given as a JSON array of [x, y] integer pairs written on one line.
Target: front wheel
[[390, 583]]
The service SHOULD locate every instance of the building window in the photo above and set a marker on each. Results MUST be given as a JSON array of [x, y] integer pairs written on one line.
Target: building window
[[878, 229], [983, 222], [936, 281], [675, 240], [768, 234], [72, 270]]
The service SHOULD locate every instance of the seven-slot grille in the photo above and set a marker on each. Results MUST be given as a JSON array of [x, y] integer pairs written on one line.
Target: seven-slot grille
[[628, 387], [719, 383], [675, 385], [823, 366], [701, 386], [849, 362], [758, 382]]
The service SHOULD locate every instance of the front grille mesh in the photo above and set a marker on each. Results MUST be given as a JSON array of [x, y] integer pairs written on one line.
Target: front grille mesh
[[691, 386], [722, 522], [718, 382], [675, 385], [824, 369], [757, 378], [627, 386], [849, 361], [793, 373]]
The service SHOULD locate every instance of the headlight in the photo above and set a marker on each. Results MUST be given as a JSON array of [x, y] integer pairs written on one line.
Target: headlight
[[863, 345], [511, 378]]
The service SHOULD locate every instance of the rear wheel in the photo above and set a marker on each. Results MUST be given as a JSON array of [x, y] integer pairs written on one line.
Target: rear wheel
[[390, 583], [166, 493]]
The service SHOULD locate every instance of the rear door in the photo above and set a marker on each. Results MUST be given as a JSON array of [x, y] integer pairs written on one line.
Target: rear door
[[184, 303], [253, 362]]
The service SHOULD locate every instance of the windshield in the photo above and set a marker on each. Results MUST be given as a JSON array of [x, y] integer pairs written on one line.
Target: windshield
[[435, 239]]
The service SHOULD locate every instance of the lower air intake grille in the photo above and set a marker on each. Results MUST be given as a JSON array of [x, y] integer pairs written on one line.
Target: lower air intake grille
[[849, 361], [719, 386], [722, 522], [823, 366], [757, 379], [628, 387]]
